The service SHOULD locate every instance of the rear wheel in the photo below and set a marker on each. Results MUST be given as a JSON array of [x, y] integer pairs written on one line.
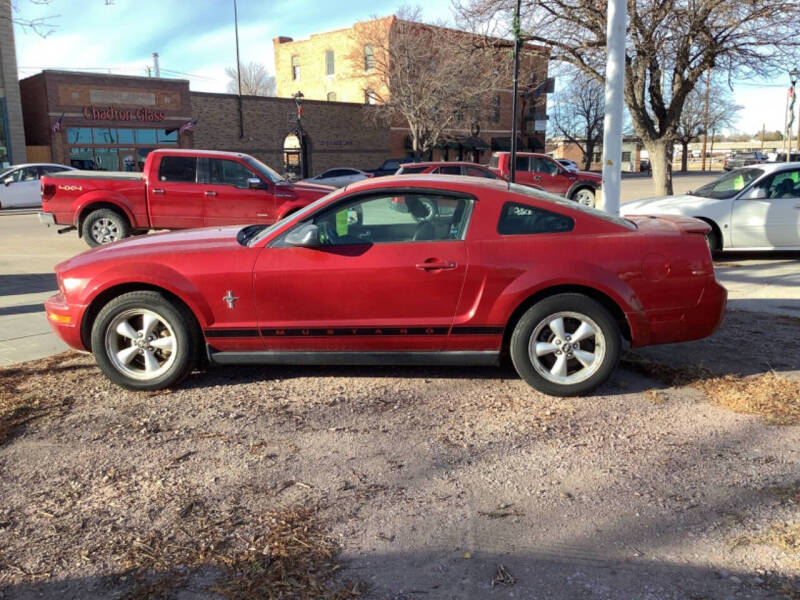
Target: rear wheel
[[143, 341], [565, 345], [585, 196], [104, 226]]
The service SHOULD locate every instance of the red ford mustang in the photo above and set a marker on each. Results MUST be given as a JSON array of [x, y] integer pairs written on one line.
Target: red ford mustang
[[497, 268]]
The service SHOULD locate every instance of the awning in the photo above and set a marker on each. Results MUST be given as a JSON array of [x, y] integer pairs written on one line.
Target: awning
[[474, 143]]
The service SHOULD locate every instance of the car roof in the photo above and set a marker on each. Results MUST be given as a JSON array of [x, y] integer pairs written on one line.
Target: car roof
[[193, 152], [453, 183], [441, 163], [36, 165], [771, 167]]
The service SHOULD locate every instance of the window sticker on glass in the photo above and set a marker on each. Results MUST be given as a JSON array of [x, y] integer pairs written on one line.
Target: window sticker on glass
[[342, 222]]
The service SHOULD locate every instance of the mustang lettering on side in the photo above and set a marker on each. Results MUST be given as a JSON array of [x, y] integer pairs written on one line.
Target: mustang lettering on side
[[469, 271]]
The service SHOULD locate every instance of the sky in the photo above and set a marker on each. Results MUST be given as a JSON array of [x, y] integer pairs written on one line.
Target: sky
[[195, 40]]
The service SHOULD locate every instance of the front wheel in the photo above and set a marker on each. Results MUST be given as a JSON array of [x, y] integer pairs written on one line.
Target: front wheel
[[584, 196], [143, 341], [104, 226], [565, 345]]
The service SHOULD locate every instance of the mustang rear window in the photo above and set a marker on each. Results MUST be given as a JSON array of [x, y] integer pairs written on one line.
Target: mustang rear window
[[561, 201], [520, 219]]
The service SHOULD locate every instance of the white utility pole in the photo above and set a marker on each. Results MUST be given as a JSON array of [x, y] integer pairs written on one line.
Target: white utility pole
[[156, 68], [612, 124]]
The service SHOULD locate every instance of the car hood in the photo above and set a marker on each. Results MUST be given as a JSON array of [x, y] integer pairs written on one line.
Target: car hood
[[588, 175], [665, 204], [157, 245]]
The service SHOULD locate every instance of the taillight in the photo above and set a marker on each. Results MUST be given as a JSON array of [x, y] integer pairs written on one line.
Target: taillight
[[370, 175], [48, 191]]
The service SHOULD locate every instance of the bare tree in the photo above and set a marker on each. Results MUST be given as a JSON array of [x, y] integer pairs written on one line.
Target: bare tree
[[578, 114], [670, 46], [722, 112], [256, 80], [430, 77]]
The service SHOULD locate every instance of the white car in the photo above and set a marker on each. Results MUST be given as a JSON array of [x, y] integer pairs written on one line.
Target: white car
[[752, 208], [569, 165], [339, 177], [19, 184]]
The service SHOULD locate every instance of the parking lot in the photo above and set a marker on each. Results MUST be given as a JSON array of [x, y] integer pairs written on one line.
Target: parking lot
[[679, 478]]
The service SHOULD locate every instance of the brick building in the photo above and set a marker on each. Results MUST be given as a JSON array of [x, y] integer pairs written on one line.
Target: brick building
[[335, 66], [12, 135], [111, 122]]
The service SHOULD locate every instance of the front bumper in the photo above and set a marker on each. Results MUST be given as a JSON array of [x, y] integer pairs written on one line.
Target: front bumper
[[65, 319]]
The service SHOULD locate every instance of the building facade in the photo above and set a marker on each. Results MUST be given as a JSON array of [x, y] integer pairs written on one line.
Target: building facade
[[111, 123], [337, 65], [12, 134]]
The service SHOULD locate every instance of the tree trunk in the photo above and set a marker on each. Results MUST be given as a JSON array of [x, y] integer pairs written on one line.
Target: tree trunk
[[660, 151], [684, 156], [588, 155]]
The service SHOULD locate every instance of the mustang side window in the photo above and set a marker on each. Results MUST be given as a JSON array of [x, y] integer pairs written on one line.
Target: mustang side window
[[519, 219], [392, 219], [178, 168]]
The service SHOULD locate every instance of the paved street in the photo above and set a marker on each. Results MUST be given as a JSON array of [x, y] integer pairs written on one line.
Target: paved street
[[29, 251]]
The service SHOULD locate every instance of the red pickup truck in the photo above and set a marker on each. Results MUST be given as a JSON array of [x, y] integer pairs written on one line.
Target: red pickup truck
[[178, 189], [542, 172]]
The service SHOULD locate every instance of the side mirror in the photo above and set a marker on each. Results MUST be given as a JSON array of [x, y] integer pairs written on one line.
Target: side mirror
[[8, 181], [306, 235], [254, 183], [754, 193]]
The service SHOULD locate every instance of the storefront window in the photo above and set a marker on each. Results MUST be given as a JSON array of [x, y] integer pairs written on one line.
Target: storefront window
[[167, 138], [79, 135], [145, 136], [104, 135], [106, 159], [125, 136]]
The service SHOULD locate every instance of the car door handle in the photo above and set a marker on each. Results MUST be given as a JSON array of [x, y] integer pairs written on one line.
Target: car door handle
[[797, 205], [537, 178], [210, 193], [433, 264], [158, 191]]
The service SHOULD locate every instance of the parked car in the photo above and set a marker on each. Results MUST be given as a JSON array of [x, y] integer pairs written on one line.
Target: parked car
[[389, 166], [743, 159], [781, 157], [177, 189], [569, 165], [339, 177], [21, 186], [505, 269], [467, 169], [543, 172], [753, 208]]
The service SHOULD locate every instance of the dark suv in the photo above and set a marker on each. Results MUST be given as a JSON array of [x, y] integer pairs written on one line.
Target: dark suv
[[743, 159]]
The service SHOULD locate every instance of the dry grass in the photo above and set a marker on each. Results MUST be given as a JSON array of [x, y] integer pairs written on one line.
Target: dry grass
[[18, 405], [279, 555], [776, 399]]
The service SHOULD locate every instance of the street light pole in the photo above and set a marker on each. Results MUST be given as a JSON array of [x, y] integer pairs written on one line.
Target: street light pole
[[612, 124], [515, 87], [794, 75], [238, 71]]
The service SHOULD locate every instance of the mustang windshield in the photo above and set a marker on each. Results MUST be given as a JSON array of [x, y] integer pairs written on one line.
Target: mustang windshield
[[728, 185]]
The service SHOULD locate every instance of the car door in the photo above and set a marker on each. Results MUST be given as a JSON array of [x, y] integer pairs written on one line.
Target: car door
[[175, 195], [21, 188], [380, 279], [768, 215], [229, 199], [524, 174], [550, 176]]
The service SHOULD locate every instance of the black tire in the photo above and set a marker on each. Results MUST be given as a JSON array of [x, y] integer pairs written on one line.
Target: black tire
[[537, 328], [145, 360], [103, 226], [713, 240], [585, 196]]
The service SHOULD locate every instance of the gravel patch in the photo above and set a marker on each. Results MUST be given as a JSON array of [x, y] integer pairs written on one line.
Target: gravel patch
[[406, 483]]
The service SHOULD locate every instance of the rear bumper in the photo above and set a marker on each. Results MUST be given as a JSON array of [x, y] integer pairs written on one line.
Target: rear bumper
[[65, 319], [666, 326]]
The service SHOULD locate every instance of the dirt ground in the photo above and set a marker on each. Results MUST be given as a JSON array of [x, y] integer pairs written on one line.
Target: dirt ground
[[401, 483]]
